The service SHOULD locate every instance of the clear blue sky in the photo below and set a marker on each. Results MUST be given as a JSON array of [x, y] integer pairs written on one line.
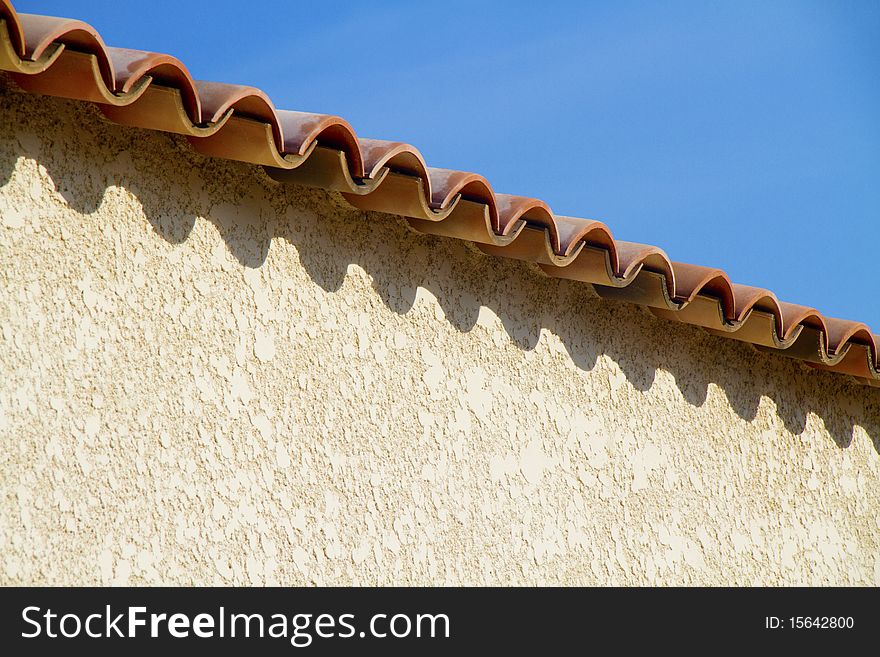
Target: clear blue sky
[[743, 135]]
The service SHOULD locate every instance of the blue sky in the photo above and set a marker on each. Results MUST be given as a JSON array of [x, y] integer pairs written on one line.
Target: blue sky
[[742, 135]]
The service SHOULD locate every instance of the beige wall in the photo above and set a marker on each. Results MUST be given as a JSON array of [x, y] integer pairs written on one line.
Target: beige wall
[[210, 378]]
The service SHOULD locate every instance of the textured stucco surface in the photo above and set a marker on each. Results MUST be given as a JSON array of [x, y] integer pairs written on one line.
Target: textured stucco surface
[[210, 378]]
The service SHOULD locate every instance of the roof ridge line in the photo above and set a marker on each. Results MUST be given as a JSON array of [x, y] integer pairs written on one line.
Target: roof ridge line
[[68, 58]]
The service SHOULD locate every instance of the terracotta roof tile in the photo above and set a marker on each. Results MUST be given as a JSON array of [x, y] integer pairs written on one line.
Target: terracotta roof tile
[[68, 58]]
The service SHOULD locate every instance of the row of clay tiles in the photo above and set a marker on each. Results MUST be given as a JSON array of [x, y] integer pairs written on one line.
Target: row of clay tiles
[[67, 58]]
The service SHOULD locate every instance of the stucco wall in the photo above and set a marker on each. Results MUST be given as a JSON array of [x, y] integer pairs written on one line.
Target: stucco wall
[[211, 378]]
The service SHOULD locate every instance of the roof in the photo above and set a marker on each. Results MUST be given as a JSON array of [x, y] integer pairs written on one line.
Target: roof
[[68, 58]]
